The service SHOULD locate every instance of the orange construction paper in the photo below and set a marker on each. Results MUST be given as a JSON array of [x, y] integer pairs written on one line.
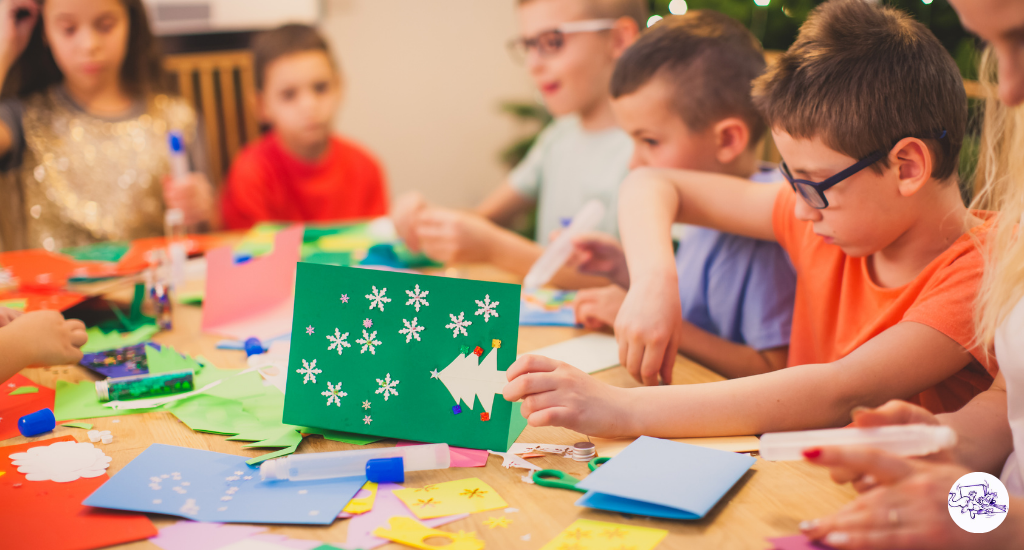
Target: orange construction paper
[[13, 407], [49, 515]]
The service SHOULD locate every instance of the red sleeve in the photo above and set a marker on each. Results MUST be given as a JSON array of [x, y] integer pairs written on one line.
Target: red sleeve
[[377, 189], [245, 198]]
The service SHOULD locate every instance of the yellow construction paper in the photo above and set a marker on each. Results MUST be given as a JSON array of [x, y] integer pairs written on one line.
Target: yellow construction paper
[[587, 534], [410, 532], [465, 496], [362, 505], [502, 521]]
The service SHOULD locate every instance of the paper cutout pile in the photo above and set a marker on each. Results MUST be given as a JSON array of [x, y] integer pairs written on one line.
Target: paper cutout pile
[[62, 462]]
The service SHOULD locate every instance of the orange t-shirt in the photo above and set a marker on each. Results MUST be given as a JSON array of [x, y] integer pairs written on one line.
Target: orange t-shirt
[[838, 307]]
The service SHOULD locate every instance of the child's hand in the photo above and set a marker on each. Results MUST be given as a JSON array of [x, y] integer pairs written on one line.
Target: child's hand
[[405, 214], [893, 412], [600, 254], [7, 315], [596, 308], [648, 328], [557, 394], [193, 195], [15, 33], [48, 338], [449, 236]]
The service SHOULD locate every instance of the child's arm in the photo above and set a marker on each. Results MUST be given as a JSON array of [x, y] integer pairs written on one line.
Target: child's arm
[[650, 201], [40, 338], [900, 362], [14, 36], [7, 315], [504, 204]]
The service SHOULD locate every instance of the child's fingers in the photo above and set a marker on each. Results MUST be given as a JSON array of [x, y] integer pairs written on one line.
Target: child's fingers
[[542, 400], [650, 367], [634, 359], [79, 337], [530, 384], [893, 412], [530, 363], [553, 416], [851, 463]]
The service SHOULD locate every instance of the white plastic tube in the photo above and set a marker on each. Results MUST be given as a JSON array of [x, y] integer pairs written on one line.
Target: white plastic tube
[[353, 463], [904, 440], [558, 252]]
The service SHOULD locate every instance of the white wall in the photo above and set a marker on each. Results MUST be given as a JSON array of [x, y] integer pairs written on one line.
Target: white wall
[[424, 84]]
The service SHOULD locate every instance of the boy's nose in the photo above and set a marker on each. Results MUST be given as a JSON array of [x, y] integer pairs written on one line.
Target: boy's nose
[[637, 160], [805, 212]]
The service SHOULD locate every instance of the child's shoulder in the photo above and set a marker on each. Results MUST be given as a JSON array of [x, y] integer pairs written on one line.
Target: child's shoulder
[[352, 151]]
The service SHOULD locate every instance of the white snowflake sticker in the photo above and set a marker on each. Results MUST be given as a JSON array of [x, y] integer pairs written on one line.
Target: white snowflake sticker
[[458, 325], [309, 330], [369, 341], [338, 341], [487, 307], [377, 298], [411, 330], [62, 462], [333, 394], [387, 386], [417, 298], [367, 420], [309, 371]]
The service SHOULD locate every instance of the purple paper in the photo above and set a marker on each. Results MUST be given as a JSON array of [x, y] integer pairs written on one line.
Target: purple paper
[[385, 507], [798, 542], [281, 540], [194, 535]]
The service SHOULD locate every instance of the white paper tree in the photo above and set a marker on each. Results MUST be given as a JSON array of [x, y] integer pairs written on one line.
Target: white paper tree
[[466, 380]]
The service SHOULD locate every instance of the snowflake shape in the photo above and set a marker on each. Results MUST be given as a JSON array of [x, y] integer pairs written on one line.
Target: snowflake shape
[[458, 325], [309, 330], [366, 404], [344, 298], [369, 341], [417, 298], [411, 330], [338, 341], [62, 462], [333, 394], [487, 307], [309, 371], [367, 420], [377, 298], [367, 323], [387, 386]]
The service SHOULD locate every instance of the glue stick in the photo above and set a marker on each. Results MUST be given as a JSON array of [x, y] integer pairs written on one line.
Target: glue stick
[[903, 440], [353, 463], [145, 385], [558, 252]]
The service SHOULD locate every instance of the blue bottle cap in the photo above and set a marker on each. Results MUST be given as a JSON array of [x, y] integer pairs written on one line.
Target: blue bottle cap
[[36, 423], [176, 142], [253, 346], [385, 470]]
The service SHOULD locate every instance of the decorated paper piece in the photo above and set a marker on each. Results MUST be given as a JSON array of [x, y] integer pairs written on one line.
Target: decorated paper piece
[[119, 362], [412, 533], [547, 307], [387, 506], [208, 486], [422, 364], [600, 535], [464, 496], [47, 514], [13, 407], [509, 460], [520, 448], [460, 458], [194, 535], [62, 462]]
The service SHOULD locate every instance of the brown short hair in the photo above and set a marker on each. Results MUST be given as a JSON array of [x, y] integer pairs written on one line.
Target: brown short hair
[[614, 9], [285, 40], [861, 77], [709, 58]]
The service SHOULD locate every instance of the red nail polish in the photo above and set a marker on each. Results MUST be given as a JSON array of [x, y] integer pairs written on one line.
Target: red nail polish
[[811, 454]]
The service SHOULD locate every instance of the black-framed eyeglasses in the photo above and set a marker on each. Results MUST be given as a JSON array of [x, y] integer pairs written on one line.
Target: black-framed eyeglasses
[[549, 42], [814, 192]]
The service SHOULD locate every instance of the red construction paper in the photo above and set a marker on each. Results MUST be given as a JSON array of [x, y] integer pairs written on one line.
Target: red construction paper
[[138, 255], [46, 515], [59, 300], [13, 407]]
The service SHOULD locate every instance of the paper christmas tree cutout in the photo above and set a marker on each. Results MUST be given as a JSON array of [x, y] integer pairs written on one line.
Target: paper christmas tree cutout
[[466, 380]]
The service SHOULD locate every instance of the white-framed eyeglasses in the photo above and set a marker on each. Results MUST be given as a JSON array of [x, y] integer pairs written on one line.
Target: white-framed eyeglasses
[[550, 42]]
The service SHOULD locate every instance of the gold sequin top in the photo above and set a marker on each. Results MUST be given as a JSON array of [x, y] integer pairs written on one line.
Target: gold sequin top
[[84, 179]]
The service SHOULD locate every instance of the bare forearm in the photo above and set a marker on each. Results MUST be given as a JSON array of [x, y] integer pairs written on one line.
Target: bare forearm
[[646, 213], [503, 205], [13, 356], [516, 254], [984, 437], [727, 358]]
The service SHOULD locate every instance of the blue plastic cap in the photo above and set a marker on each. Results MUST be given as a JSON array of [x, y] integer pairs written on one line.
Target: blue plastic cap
[[253, 346], [177, 142], [37, 423], [385, 470]]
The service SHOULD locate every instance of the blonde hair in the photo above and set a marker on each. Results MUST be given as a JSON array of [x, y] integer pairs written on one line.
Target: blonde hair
[[1000, 184]]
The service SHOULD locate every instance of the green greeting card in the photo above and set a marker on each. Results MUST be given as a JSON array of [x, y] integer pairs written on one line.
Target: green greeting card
[[403, 355]]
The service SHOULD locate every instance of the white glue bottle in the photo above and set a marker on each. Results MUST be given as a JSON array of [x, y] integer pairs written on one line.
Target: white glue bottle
[[353, 463], [901, 440]]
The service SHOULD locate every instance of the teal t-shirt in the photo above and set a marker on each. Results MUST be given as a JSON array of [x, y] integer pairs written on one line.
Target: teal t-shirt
[[566, 167]]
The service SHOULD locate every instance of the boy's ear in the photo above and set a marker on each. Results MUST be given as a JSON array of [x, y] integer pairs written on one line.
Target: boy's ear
[[624, 33], [913, 163], [732, 136]]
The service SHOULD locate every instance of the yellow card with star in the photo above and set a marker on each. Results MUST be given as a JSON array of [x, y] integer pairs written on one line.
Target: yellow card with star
[[465, 496], [586, 534]]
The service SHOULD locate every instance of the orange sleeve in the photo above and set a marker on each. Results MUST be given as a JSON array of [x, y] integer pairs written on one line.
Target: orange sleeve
[[784, 224], [244, 198]]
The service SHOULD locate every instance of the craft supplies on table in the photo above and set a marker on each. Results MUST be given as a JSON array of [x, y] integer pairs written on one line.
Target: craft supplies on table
[[903, 440], [336, 464]]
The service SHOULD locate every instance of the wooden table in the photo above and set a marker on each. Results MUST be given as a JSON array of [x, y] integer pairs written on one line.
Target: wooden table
[[769, 501]]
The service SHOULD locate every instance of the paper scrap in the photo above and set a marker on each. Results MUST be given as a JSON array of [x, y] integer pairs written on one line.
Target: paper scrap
[[590, 353], [21, 390], [464, 496], [601, 535], [103, 341], [509, 460], [387, 506], [520, 448], [460, 457], [412, 533], [80, 425], [547, 307], [62, 462], [495, 522], [18, 406], [362, 502]]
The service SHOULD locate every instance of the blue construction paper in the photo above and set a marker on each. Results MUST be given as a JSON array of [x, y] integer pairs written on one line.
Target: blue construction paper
[[661, 478], [207, 486]]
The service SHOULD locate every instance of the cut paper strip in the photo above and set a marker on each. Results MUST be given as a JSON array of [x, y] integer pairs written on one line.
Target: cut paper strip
[[193, 535], [387, 506], [412, 533], [362, 502], [666, 479], [22, 390], [520, 448], [509, 460], [547, 307], [590, 353], [81, 425], [103, 341], [464, 496], [733, 444], [220, 487], [798, 542], [460, 457], [14, 407], [252, 298], [601, 535], [47, 514]]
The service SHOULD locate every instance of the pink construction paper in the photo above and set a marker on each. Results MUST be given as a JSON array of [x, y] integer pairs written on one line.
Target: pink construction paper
[[461, 457], [194, 535], [385, 507], [798, 542], [252, 298]]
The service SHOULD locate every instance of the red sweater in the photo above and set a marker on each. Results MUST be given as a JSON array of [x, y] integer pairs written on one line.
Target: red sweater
[[267, 183]]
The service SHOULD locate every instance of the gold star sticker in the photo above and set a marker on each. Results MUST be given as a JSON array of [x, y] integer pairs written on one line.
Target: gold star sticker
[[429, 502], [497, 522], [577, 533], [470, 493], [426, 489], [613, 533]]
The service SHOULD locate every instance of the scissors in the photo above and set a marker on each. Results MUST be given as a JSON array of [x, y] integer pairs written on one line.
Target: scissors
[[561, 480]]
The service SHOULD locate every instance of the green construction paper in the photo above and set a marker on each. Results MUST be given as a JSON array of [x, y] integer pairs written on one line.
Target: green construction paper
[[326, 546], [74, 401], [275, 454], [191, 298], [422, 409], [287, 436], [18, 304], [165, 360], [342, 437], [329, 258], [24, 389], [100, 252], [82, 425], [103, 341]]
